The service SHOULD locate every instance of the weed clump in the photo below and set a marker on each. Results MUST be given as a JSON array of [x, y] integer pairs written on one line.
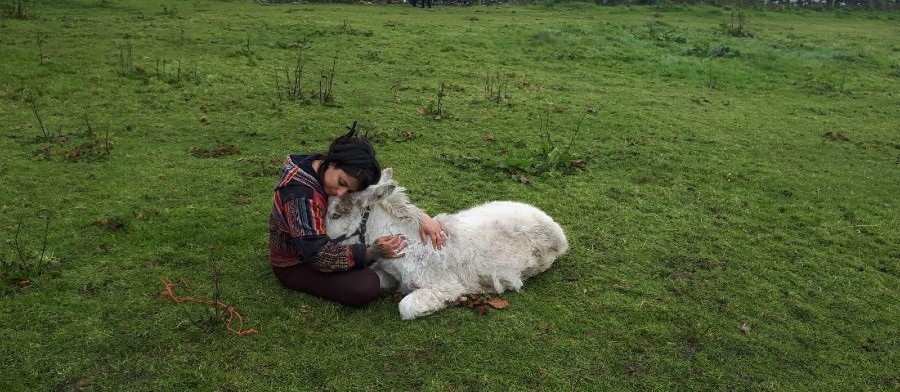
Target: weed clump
[[711, 51], [82, 145], [662, 32], [551, 158], [817, 84]]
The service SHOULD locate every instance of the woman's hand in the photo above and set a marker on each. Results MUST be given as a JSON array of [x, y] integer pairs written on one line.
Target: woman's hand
[[430, 228], [387, 247]]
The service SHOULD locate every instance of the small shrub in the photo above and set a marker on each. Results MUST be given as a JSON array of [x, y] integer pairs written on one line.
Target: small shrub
[[171, 13], [292, 88], [496, 87], [172, 72], [326, 85], [739, 30], [436, 108], [17, 270], [18, 9]]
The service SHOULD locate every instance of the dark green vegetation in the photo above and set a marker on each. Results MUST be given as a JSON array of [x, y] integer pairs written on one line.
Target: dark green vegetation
[[729, 191]]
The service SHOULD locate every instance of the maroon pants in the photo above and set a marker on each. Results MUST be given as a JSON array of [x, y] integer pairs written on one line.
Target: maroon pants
[[354, 287]]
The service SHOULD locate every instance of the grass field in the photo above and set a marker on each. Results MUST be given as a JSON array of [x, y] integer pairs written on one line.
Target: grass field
[[729, 192]]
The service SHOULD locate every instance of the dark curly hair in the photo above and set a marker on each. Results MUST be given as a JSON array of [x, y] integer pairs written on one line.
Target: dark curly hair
[[353, 155]]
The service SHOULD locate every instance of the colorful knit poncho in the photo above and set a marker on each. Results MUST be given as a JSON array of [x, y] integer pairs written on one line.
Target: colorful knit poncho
[[297, 224]]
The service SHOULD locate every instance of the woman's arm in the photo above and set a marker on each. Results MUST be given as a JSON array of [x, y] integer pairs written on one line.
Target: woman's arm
[[434, 230]]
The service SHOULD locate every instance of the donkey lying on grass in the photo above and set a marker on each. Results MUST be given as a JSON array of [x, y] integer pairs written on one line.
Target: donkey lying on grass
[[490, 248]]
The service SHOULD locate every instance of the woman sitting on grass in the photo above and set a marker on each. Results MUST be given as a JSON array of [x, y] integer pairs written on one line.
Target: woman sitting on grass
[[303, 257]]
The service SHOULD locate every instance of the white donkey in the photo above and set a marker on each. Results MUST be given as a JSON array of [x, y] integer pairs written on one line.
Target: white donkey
[[490, 248]]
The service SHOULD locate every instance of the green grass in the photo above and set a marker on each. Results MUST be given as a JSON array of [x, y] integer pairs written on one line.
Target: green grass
[[734, 227]]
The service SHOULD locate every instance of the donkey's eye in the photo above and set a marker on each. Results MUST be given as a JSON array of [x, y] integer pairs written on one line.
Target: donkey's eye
[[335, 216]]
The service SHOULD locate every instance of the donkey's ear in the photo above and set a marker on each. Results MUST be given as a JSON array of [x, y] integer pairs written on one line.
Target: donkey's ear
[[387, 174], [384, 190]]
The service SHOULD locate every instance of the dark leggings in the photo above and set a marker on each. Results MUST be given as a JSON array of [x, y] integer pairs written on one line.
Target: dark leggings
[[355, 287]]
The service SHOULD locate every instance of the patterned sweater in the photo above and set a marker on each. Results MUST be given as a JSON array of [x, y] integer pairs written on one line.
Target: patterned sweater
[[297, 224]]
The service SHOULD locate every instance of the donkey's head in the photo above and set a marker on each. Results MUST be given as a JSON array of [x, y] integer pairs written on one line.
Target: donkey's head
[[346, 213]]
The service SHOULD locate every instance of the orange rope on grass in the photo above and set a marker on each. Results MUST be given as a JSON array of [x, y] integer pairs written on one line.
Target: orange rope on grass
[[232, 312]]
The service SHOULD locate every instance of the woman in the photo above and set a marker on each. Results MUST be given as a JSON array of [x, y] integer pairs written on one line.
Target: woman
[[303, 257]]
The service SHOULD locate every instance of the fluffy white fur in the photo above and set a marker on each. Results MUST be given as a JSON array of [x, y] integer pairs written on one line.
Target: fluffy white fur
[[491, 247]]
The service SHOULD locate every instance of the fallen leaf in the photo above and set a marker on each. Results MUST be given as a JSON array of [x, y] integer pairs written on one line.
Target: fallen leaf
[[305, 309], [745, 328], [23, 283], [498, 303], [482, 310], [421, 110]]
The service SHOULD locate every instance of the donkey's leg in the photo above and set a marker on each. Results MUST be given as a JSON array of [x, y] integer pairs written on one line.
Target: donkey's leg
[[427, 300], [385, 280]]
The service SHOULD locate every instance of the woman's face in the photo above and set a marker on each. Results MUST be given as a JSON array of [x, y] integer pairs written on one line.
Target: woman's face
[[337, 182]]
